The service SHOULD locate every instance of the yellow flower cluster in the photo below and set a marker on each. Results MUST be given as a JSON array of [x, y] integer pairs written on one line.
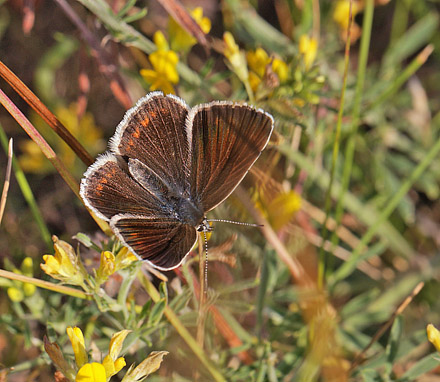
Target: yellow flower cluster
[[163, 74], [66, 265], [259, 72], [17, 291], [259, 63], [85, 371]]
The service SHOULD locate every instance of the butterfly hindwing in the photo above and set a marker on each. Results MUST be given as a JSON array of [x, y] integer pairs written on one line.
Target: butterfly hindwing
[[163, 242], [107, 189]]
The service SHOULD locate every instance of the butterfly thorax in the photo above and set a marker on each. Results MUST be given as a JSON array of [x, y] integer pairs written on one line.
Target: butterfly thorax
[[189, 212]]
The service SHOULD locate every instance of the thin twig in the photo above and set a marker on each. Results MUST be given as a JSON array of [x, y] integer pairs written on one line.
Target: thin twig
[[68, 291], [359, 358], [34, 102], [176, 10], [7, 181], [27, 193], [39, 140], [295, 267], [340, 253]]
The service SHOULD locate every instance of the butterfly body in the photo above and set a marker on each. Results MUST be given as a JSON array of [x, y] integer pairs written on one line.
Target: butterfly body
[[169, 164]]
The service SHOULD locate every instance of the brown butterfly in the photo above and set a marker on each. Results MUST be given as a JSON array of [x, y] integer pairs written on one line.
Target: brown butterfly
[[167, 165]]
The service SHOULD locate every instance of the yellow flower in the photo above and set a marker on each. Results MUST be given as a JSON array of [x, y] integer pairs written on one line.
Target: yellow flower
[[106, 268], [281, 69], [160, 41], [91, 372], [308, 47], [341, 15], [79, 349], [146, 367], [65, 265], [235, 57], [163, 74], [88, 371], [111, 362], [124, 258], [258, 62], [280, 209], [433, 336], [180, 39], [341, 12], [15, 294], [203, 22]]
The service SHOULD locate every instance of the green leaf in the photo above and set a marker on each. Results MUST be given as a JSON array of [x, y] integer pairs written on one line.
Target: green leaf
[[409, 43], [394, 339], [423, 366], [157, 312]]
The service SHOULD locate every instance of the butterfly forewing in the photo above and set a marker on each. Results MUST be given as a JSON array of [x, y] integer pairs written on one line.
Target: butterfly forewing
[[226, 140], [154, 133], [163, 242]]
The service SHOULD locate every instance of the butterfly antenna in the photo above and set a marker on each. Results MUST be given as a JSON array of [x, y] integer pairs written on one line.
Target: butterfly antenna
[[205, 289], [234, 222]]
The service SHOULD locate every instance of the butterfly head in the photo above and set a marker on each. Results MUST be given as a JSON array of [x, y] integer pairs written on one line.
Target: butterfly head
[[205, 226]]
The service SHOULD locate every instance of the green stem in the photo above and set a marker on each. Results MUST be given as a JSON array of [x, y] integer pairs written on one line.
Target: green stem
[[351, 143], [46, 285], [27, 193], [125, 289], [184, 333], [335, 154]]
